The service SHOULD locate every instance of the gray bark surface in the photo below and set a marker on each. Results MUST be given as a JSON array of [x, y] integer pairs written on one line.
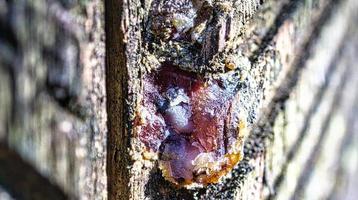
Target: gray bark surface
[[52, 97]]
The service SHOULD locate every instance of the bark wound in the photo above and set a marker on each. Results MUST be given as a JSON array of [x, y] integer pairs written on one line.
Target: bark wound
[[192, 123], [186, 32]]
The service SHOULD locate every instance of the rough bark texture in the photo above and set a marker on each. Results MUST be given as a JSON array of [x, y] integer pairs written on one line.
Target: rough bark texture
[[59, 77], [52, 99], [296, 57]]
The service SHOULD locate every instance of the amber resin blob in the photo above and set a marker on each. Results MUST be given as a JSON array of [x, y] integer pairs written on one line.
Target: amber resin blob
[[192, 123]]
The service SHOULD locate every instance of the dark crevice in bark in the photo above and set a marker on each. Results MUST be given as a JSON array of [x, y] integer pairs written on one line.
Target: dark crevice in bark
[[62, 83], [347, 142], [290, 81], [255, 144], [23, 181], [155, 189], [118, 158], [308, 118], [7, 35], [285, 13], [313, 157]]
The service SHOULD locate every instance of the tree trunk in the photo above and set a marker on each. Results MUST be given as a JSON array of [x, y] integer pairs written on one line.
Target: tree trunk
[[273, 42], [72, 79]]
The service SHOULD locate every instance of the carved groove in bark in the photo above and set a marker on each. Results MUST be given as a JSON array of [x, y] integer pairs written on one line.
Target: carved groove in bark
[[22, 180]]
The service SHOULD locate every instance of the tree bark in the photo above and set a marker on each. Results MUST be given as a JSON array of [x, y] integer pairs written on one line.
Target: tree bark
[[271, 43], [71, 88], [52, 98]]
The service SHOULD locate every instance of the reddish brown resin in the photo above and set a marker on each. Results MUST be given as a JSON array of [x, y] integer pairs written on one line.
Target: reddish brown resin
[[183, 116]]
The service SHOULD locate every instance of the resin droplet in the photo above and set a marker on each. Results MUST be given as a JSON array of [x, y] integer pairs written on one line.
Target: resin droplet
[[192, 123]]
